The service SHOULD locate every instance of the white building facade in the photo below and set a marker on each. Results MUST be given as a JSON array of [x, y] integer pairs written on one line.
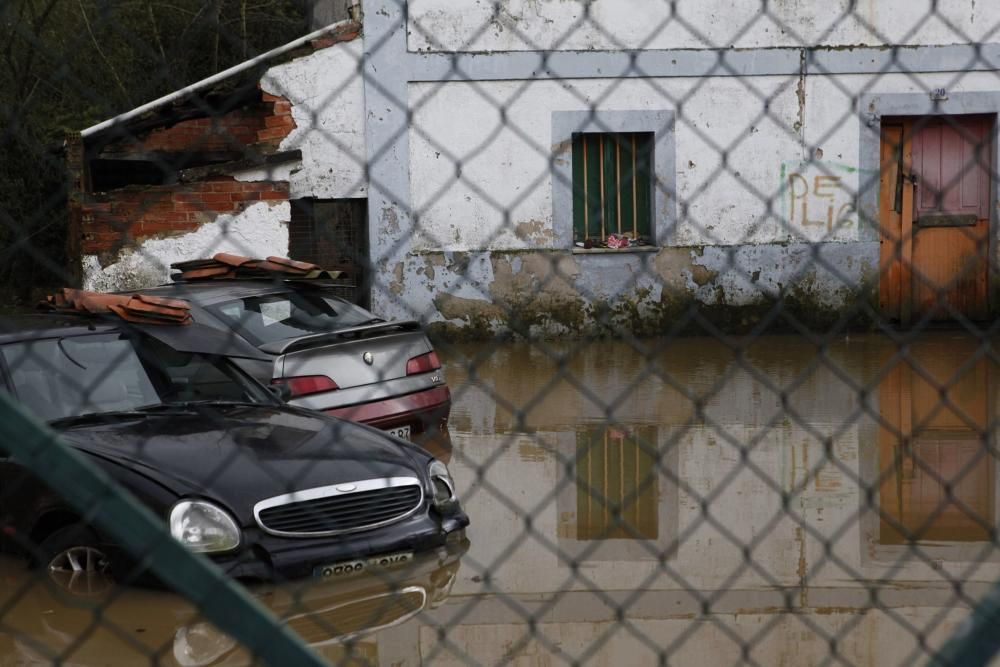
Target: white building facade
[[457, 121]]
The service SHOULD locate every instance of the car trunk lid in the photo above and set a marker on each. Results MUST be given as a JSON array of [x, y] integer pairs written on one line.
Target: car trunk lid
[[352, 357]]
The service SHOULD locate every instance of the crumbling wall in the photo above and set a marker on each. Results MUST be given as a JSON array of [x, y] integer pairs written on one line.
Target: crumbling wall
[[558, 294], [327, 103], [126, 217], [256, 229], [260, 127], [220, 191], [129, 235], [767, 207]]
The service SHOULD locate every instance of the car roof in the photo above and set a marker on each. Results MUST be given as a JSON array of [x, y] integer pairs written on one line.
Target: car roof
[[194, 337]]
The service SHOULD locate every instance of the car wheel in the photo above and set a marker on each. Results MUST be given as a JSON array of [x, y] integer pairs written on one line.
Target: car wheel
[[75, 561]]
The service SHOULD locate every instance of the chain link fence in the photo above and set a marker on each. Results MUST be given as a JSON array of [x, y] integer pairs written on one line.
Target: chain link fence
[[687, 307]]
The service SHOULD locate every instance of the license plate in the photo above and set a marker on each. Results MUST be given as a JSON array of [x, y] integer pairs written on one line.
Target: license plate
[[401, 432], [352, 567]]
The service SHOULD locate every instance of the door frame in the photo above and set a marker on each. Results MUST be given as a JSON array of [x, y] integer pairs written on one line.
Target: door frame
[[872, 108]]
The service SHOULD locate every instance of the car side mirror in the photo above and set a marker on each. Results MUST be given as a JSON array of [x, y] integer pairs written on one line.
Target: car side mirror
[[280, 391]]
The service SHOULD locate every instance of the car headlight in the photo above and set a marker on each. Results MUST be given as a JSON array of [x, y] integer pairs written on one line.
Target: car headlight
[[203, 527], [442, 485]]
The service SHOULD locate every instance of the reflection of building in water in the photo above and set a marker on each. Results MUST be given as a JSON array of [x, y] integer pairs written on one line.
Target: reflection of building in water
[[756, 522], [937, 472]]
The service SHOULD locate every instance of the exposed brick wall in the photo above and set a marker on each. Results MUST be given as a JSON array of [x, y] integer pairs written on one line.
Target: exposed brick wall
[[124, 216], [77, 185], [262, 126], [345, 32], [131, 214], [278, 124]]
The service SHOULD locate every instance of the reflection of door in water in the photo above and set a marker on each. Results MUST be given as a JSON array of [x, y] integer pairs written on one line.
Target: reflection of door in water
[[927, 444], [920, 502], [934, 208]]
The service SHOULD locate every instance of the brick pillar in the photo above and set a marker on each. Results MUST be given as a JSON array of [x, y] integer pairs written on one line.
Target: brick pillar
[[76, 168]]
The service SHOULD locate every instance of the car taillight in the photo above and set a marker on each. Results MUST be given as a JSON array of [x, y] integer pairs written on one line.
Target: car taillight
[[423, 363], [306, 384]]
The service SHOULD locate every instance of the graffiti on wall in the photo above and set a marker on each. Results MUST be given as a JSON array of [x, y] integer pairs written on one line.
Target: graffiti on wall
[[818, 201]]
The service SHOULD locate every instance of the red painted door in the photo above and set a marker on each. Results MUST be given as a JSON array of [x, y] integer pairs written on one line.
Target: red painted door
[[935, 209]]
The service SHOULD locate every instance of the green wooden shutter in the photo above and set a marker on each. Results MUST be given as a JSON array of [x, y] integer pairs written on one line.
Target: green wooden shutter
[[612, 176], [592, 175], [643, 143], [628, 186], [579, 191]]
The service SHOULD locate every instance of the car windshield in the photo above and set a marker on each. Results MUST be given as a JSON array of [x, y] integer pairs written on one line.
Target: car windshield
[[71, 376], [274, 317]]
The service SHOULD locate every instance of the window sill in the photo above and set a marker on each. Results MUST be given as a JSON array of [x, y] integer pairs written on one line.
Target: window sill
[[614, 251]]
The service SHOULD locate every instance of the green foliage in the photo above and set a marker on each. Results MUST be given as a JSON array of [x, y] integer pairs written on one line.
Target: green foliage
[[67, 64]]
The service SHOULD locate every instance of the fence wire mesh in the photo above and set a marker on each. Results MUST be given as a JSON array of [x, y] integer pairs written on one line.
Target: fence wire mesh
[[687, 311]]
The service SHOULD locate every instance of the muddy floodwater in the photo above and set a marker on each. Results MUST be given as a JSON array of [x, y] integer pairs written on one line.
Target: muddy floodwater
[[778, 503]]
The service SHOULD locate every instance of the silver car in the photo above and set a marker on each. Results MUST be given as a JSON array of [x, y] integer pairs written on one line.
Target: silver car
[[329, 354]]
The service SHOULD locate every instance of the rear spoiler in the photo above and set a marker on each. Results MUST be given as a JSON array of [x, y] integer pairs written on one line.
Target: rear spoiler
[[353, 333]]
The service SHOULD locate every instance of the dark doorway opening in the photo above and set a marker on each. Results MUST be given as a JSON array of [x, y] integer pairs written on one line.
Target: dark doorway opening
[[333, 233]]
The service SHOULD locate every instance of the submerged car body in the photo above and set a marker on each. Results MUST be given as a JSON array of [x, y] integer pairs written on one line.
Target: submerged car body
[[268, 491], [337, 619], [332, 355]]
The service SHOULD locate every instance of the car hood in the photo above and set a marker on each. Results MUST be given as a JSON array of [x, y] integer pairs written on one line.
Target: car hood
[[241, 454]]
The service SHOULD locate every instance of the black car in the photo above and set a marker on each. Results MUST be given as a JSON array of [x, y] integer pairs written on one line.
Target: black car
[[268, 491]]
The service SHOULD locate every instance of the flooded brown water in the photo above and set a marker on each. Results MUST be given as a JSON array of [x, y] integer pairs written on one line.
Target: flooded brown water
[[686, 499]]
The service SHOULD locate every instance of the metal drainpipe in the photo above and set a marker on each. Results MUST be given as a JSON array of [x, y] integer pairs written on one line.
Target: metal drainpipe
[[205, 83]]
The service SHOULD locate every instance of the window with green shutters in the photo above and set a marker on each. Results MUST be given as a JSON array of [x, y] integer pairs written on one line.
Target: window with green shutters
[[612, 185]]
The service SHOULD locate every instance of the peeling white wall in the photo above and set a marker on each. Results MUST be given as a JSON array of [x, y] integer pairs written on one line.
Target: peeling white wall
[[792, 142], [517, 25], [505, 167], [327, 96], [258, 231]]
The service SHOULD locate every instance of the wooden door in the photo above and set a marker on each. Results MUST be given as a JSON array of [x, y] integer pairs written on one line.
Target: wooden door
[[934, 207]]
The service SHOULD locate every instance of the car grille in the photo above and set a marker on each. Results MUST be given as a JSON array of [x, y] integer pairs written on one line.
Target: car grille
[[357, 616], [342, 508]]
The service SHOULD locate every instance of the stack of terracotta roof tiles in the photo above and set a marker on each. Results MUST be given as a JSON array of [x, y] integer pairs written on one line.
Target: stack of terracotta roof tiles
[[137, 308], [226, 266]]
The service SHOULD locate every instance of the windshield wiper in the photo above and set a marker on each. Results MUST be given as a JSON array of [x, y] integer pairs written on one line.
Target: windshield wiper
[[145, 411], [186, 406], [62, 348], [91, 417]]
